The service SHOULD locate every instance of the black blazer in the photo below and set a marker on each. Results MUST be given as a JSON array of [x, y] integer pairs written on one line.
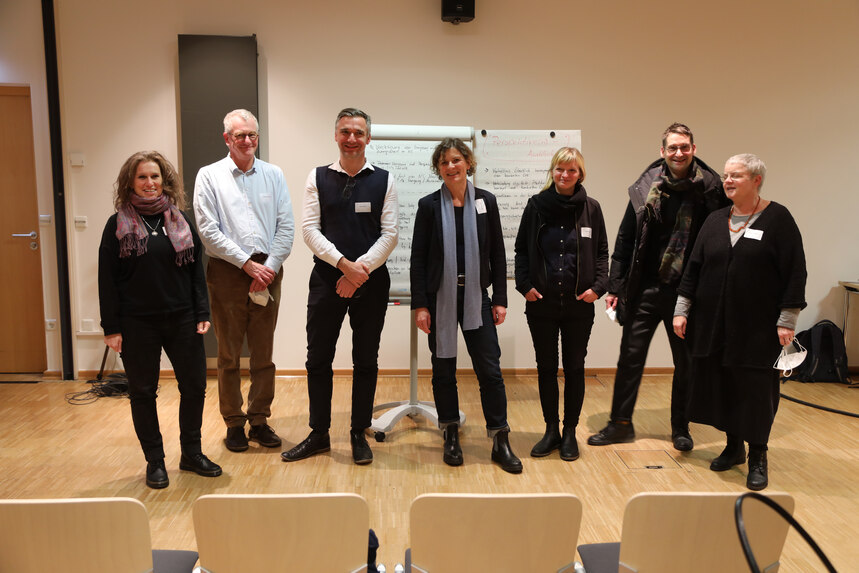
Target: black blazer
[[428, 253]]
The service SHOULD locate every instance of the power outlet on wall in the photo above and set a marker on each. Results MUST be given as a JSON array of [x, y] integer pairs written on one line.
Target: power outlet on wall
[[51, 324]]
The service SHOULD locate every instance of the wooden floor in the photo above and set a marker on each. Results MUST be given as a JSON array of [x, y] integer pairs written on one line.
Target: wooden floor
[[49, 448]]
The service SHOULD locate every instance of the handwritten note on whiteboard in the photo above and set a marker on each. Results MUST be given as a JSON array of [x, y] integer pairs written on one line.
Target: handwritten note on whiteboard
[[513, 165]]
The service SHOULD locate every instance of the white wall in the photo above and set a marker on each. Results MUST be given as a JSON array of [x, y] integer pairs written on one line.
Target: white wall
[[775, 77]]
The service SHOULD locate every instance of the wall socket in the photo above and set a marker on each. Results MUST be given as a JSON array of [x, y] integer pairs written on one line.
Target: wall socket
[[87, 325], [51, 324]]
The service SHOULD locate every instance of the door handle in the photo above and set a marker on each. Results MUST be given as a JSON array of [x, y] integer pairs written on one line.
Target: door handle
[[30, 235]]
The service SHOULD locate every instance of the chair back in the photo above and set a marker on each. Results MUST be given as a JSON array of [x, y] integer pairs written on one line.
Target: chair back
[[326, 532], [665, 532], [516, 532], [84, 535]]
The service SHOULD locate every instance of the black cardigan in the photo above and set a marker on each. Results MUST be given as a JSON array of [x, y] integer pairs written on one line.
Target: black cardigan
[[591, 255], [151, 284], [738, 292], [427, 258]]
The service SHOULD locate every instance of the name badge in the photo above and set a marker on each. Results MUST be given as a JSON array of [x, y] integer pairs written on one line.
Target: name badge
[[755, 234], [586, 232], [480, 205], [363, 207]]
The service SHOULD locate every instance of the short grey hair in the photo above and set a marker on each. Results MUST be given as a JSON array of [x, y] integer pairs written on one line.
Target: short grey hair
[[352, 112], [753, 165], [241, 113]]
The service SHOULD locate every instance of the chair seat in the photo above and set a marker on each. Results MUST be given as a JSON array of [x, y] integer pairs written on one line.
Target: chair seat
[[599, 557], [173, 561]]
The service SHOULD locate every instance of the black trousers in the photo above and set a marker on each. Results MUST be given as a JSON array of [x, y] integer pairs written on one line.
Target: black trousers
[[142, 341], [325, 313], [656, 305], [482, 345], [572, 320]]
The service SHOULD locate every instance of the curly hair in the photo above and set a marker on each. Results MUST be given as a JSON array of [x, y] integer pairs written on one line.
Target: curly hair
[[171, 183], [453, 143]]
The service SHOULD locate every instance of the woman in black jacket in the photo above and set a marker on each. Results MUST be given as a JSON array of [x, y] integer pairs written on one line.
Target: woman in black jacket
[[742, 291], [561, 269], [457, 253], [152, 295]]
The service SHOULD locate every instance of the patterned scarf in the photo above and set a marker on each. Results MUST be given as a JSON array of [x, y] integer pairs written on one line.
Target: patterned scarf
[[134, 238], [671, 267]]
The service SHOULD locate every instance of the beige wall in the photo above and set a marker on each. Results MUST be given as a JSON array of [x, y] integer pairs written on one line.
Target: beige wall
[[775, 77]]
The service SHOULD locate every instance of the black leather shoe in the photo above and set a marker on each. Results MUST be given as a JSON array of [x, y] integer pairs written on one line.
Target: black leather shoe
[[681, 438], [361, 452], [550, 442], [452, 455], [312, 445], [613, 433], [200, 465], [503, 455], [236, 440], [732, 455], [264, 435], [757, 479], [569, 445], [156, 475]]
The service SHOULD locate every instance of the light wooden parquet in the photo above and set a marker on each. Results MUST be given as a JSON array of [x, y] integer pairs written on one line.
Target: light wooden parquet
[[49, 448]]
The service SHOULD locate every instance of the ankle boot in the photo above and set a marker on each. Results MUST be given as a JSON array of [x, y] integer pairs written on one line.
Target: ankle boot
[[757, 479], [569, 446], [734, 454], [503, 455], [452, 455], [550, 442]]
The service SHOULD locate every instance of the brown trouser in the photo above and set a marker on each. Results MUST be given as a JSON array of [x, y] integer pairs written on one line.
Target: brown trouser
[[234, 316]]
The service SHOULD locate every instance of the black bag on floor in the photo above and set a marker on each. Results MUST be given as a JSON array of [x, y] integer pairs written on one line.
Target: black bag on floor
[[827, 358]]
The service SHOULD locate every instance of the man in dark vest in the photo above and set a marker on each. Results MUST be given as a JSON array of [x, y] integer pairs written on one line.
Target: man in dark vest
[[667, 206], [350, 224]]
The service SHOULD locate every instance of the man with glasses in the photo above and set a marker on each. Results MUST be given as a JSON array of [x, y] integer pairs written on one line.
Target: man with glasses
[[244, 217], [350, 224], [668, 204]]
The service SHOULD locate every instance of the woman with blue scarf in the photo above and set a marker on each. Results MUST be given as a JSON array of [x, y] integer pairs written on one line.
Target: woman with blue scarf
[[457, 254]]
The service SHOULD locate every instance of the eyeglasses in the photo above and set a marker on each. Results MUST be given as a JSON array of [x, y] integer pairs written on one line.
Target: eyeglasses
[[252, 135], [350, 185], [733, 176], [672, 149]]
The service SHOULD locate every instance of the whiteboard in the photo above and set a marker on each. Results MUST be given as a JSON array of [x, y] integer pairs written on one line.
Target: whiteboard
[[512, 165]]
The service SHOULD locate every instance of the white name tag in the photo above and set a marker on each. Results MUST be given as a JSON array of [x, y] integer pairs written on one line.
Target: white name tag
[[586, 232], [755, 234], [364, 207], [480, 205]]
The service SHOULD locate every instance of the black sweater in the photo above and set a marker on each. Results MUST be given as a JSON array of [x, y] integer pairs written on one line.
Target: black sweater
[[151, 284]]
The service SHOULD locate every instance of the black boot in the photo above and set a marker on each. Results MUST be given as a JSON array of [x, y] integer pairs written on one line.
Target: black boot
[[757, 479], [550, 442], [452, 455], [569, 446], [734, 454], [503, 455]]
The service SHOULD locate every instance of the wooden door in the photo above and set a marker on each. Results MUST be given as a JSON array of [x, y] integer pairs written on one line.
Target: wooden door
[[22, 326]]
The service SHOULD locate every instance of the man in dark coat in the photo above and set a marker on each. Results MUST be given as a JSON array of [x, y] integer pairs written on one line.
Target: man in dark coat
[[667, 206]]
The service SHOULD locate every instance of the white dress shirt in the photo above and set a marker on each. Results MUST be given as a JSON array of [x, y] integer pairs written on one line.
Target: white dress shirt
[[243, 213], [311, 226]]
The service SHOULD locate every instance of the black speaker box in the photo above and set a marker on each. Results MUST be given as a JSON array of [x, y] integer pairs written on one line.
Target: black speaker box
[[457, 11]]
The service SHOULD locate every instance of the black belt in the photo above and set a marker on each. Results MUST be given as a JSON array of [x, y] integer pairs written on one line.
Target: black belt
[[259, 257]]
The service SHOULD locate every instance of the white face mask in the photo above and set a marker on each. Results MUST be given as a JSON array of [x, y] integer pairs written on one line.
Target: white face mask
[[790, 357]]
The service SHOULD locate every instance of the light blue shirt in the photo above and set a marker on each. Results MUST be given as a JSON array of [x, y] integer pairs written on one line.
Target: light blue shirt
[[243, 213]]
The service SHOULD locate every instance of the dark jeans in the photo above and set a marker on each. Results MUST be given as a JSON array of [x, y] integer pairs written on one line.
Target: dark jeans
[[572, 320], [325, 313], [482, 344], [142, 341], [656, 305], [235, 316]]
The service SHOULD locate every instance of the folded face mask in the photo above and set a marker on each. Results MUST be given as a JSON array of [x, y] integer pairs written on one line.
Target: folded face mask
[[790, 357], [260, 297]]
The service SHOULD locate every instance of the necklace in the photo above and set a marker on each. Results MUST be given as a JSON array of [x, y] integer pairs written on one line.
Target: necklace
[[151, 228], [743, 226]]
